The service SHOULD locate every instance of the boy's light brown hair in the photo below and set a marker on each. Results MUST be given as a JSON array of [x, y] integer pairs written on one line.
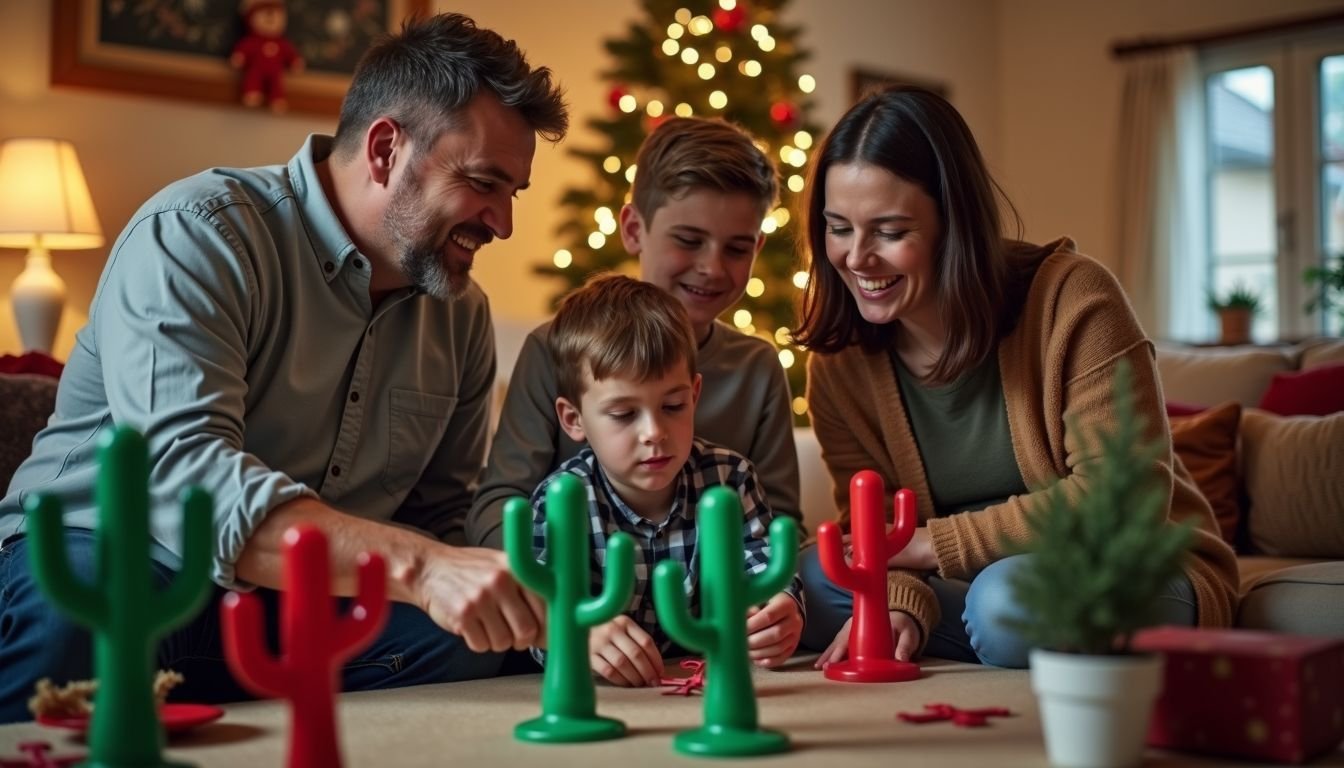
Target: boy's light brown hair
[[618, 326], [684, 154]]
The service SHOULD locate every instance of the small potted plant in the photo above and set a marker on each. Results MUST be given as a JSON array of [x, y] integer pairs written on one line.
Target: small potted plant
[[1235, 312], [1099, 562], [1330, 293]]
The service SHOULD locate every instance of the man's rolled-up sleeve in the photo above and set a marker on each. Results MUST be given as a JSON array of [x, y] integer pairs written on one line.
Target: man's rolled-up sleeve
[[174, 318]]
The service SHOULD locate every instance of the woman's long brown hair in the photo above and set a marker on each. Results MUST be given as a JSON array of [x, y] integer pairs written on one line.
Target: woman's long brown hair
[[918, 136]]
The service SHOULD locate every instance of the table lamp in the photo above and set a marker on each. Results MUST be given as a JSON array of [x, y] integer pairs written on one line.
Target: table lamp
[[44, 204]]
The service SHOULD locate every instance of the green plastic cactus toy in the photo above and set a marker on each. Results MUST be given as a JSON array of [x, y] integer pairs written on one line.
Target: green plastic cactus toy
[[125, 611], [731, 727], [568, 697]]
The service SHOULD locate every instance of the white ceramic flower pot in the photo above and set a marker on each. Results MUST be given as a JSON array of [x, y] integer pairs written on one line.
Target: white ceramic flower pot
[[1095, 709]]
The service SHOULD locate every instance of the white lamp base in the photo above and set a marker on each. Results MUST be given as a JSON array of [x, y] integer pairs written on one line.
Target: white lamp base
[[38, 296]]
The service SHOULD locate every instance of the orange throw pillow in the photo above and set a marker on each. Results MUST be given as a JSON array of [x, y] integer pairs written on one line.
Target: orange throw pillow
[[1207, 445]]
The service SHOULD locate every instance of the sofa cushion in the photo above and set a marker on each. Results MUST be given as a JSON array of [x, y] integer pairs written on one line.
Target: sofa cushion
[[26, 402], [1321, 352], [1205, 376], [1294, 474], [1315, 392], [1300, 597], [1207, 445]]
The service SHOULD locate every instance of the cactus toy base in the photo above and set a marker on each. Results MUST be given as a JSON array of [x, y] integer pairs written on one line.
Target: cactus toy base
[[722, 741], [558, 729], [872, 671]]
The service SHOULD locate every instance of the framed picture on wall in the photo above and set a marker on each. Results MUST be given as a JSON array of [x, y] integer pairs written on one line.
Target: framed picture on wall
[[862, 81], [180, 48]]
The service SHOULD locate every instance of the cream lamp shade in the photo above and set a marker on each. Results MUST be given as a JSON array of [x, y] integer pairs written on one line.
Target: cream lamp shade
[[44, 203]]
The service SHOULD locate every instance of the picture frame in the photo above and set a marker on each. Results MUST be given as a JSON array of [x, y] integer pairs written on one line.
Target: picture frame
[[863, 81], [179, 49]]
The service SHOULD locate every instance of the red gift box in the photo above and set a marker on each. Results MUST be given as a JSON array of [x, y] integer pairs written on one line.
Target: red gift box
[[1257, 695]]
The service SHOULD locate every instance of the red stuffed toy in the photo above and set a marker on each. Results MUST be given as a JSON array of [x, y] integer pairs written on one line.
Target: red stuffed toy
[[264, 54]]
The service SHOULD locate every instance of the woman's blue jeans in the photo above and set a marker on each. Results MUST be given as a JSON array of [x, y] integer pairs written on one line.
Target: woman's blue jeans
[[971, 628]]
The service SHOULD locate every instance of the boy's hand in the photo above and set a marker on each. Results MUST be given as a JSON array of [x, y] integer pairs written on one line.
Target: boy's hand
[[773, 630], [904, 630], [622, 653]]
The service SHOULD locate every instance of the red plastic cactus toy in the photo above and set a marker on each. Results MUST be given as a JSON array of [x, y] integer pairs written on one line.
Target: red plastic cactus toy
[[315, 642], [36, 757], [966, 718], [872, 651]]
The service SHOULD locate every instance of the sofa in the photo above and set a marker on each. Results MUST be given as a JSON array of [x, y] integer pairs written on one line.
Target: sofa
[[26, 402], [1286, 515], [1283, 477]]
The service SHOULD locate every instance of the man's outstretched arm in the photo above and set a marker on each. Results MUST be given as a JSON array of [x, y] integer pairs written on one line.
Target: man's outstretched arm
[[467, 591]]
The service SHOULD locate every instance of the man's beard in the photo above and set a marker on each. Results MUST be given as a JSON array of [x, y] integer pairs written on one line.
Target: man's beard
[[421, 260]]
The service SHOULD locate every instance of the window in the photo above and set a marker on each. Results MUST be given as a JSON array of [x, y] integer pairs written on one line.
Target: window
[[1273, 182]]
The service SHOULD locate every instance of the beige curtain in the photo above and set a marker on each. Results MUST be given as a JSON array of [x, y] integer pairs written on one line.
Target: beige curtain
[[1160, 243]]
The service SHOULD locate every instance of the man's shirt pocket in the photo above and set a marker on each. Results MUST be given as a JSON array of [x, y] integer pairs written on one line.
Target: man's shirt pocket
[[417, 423]]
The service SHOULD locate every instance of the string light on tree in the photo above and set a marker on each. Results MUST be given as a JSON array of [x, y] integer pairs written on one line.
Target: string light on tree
[[736, 59]]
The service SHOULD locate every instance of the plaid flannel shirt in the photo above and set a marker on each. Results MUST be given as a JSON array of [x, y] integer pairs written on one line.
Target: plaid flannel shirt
[[674, 538]]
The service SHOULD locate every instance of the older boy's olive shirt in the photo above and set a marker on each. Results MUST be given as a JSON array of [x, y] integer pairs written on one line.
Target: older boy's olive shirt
[[744, 405], [945, 419], [233, 325]]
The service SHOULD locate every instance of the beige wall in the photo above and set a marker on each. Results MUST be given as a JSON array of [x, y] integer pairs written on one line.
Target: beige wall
[[1033, 78], [1059, 100]]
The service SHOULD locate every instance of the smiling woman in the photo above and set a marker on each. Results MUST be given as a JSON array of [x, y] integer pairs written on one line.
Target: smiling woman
[[963, 366]]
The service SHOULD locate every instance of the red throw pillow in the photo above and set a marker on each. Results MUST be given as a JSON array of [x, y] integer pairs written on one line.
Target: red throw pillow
[[1314, 392], [32, 362], [1207, 445], [1177, 408]]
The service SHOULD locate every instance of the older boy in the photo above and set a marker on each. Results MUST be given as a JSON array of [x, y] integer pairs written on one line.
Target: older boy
[[694, 222], [625, 364]]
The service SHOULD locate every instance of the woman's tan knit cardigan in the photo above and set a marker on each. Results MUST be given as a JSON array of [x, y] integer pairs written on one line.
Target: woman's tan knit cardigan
[[1058, 363]]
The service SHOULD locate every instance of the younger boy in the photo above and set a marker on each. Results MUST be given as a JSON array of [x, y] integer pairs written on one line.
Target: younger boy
[[699, 196], [624, 354]]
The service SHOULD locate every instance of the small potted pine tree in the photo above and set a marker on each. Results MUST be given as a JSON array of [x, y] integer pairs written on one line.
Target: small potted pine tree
[[1100, 561], [1235, 312]]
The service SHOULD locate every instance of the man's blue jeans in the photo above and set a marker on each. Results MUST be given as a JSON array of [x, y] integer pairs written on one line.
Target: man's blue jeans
[[971, 628], [37, 641]]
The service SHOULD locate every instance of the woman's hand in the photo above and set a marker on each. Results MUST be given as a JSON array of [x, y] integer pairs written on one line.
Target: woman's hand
[[773, 630], [905, 633], [918, 555]]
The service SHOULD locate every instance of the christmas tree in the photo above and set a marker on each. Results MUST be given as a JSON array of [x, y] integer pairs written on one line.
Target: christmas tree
[[732, 59]]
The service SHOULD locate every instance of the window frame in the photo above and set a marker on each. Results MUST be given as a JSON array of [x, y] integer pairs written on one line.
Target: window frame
[[1294, 59]]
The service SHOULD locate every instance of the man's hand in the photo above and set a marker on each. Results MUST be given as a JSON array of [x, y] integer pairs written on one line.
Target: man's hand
[[773, 630], [470, 592], [622, 653], [467, 591], [904, 630]]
